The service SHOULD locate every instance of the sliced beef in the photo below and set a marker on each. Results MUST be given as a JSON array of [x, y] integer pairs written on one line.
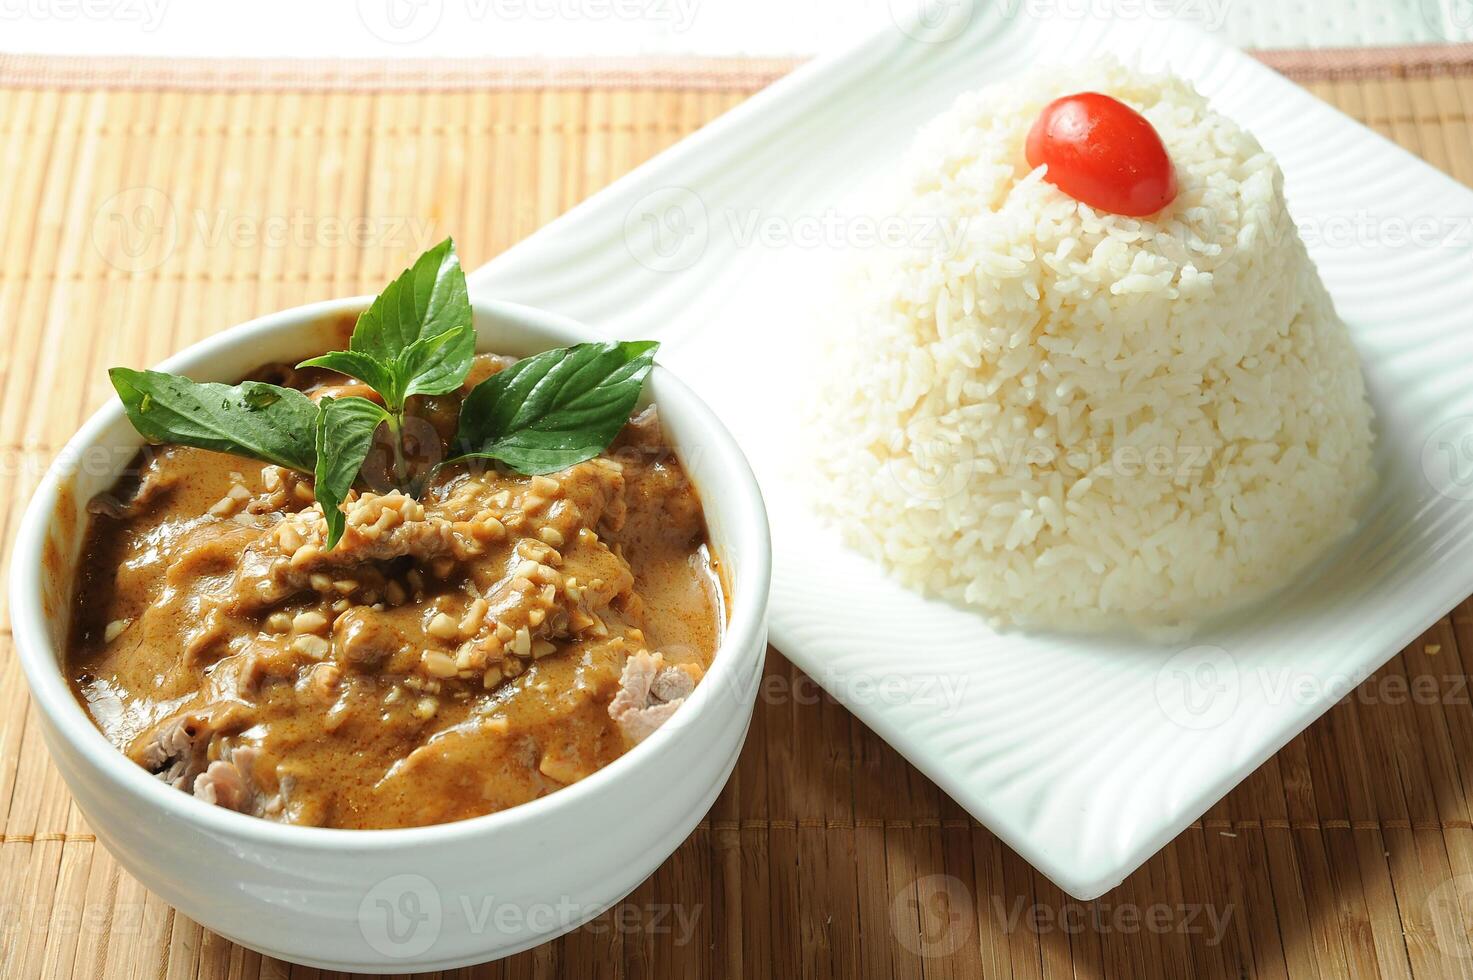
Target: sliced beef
[[229, 781], [649, 693], [292, 557], [153, 484], [663, 507], [178, 749], [367, 641]]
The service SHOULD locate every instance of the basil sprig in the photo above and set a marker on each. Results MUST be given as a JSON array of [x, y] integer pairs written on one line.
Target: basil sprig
[[415, 339], [544, 413], [254, 419], [345, 430], [554, 409]]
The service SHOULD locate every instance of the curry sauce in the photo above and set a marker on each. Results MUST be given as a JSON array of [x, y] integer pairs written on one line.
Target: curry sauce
[[486, 643]]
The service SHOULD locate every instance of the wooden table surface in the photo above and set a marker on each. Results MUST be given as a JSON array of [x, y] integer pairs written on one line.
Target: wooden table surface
[[147, 205]]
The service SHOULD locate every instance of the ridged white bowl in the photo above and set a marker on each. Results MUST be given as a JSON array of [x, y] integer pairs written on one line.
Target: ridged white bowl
[[426, 898], [1085, 755]]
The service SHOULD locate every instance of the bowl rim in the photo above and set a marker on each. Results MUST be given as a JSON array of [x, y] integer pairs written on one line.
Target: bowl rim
[[737, 496]]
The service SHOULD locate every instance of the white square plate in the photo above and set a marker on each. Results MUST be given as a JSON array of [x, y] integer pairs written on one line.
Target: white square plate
[[1085, 755]]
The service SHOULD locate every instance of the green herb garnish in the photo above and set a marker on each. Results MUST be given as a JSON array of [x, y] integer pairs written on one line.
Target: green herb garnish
[[416, 338], [544, 413], [254, 419], [345, 428], [554, 409]]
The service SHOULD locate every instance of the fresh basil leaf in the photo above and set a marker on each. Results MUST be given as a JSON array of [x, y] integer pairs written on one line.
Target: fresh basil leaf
[[438, 364], [355, 364], [345, 428], [426, 300], [555, 409], [254, 419]]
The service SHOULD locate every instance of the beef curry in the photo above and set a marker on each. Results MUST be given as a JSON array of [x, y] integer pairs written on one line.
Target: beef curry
[[495, 639]]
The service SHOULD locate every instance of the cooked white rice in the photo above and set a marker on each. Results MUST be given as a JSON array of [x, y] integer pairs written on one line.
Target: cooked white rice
[[1085, 421]]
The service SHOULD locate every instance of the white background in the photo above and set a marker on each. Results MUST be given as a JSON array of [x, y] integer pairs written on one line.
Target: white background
[[482, 28]]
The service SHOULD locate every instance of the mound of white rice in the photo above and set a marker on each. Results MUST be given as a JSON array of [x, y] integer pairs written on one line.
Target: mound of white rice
[[1078, 420]]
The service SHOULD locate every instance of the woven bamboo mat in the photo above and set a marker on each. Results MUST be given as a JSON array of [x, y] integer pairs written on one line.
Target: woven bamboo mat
[[148, 204]]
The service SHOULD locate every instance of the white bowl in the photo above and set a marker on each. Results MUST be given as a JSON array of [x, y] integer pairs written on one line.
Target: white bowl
[[425, 898]]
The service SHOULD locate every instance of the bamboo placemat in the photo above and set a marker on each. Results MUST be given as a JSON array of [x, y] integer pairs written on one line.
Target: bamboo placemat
[[147, 204]]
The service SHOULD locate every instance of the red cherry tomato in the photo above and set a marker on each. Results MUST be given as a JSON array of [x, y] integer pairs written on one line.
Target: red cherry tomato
[[1102, 152]]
